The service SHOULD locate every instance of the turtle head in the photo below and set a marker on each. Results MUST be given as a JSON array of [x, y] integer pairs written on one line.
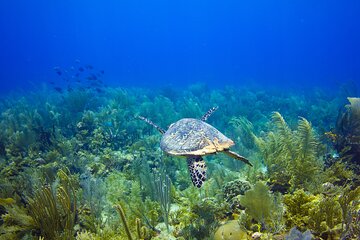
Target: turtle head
[[197, 170]]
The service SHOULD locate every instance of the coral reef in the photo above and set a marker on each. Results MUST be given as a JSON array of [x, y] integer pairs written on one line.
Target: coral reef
[[78, 165], [232, 191], [235, 188]]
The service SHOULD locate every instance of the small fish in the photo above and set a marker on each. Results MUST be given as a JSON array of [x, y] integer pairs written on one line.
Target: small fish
[[58, 71], [88, 66], [102, 71], [51, 82], [81, 69], [92, 77], [99, 90], [58, 89], [95, 84]]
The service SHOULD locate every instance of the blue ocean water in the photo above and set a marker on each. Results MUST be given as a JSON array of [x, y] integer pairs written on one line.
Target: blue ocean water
[[84, 83], [160, 43]]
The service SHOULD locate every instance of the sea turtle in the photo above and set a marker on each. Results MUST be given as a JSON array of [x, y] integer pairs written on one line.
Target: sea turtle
[[194, 138]]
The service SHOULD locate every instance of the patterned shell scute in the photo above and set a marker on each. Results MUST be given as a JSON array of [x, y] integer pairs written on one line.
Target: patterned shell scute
[[190, 136]]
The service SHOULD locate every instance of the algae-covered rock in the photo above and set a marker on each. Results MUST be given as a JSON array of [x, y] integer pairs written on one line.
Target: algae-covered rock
[[231, 231], [295, 234]]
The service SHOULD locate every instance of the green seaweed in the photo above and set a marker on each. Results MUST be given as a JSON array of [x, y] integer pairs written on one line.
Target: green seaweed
[[243, 130]]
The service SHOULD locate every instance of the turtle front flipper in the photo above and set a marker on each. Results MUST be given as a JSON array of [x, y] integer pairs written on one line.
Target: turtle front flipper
[[197, 169], [237, 156], [162, 131], [208, 114]]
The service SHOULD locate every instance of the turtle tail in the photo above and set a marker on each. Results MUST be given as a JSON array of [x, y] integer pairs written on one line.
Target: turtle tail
[[197, 169]]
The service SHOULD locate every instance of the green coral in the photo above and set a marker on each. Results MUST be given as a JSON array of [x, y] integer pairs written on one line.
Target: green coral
[[124, 221], [16, 221], [291, 156], [349, 201], [207, 213], [338, 173], [130, 195], [325, 214], [235, 188], [54, 213], [298, 206]]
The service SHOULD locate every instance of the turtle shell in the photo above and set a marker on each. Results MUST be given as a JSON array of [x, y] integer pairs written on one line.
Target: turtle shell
[[190, 136]]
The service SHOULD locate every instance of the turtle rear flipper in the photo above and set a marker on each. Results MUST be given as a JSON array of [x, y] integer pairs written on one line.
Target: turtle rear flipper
[[237, 157], [197, 169]]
